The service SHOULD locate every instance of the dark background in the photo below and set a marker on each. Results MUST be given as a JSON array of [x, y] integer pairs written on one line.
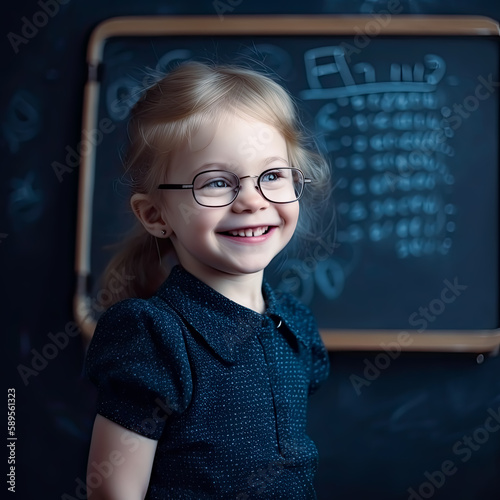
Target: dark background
[[399, 430], [444, 221]]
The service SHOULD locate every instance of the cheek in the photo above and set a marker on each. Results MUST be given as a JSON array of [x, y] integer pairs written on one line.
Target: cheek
[[182, 212], [196, 221], [290, 215], [294, 213]]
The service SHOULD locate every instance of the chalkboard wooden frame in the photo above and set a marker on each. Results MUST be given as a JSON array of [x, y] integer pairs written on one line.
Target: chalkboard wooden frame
[[487, 341]]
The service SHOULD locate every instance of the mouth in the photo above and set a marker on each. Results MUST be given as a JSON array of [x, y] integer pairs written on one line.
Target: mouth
[[248, 232]]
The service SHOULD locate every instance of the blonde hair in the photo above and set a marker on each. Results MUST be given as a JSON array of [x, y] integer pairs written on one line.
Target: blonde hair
[[168, 114]]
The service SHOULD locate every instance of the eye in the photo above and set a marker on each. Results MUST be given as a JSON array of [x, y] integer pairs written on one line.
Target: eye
[[215, 180], [219, 183], [272, 175]]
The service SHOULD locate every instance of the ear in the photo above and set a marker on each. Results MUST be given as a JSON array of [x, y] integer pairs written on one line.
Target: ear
[[149, 215]]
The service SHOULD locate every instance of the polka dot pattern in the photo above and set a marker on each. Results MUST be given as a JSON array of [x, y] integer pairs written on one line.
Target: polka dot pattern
[[222, 388]]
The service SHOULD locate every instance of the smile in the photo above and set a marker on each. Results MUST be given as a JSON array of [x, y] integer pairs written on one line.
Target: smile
[[248, 232]]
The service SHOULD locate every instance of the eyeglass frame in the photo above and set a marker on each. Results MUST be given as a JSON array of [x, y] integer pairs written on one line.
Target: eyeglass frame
[[306, 180]]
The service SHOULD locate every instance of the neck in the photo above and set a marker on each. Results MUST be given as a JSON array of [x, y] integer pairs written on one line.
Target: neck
[[244, 289]]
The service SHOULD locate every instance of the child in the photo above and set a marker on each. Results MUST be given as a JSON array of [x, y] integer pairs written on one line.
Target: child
[[203, 377]]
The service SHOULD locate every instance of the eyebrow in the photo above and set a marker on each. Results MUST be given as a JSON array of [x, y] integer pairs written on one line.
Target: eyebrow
[[269, 160], [219, 164], [230, 167]]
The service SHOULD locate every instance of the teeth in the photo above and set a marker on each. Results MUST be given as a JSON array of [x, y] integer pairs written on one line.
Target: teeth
[[258, 231]]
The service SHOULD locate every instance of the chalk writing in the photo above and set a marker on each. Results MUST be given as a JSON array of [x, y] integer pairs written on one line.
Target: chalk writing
[[421, 77]]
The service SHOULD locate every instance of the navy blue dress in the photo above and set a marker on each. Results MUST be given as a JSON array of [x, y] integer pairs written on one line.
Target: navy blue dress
[[221, 387]]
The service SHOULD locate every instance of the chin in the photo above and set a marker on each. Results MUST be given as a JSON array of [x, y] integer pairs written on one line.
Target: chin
[[246, 268]]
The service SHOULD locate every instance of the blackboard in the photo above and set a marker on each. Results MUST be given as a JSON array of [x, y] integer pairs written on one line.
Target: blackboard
[[408, 117]]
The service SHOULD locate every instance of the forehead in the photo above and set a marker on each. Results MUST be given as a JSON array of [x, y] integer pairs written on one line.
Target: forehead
[[232, 140], [231, 126]]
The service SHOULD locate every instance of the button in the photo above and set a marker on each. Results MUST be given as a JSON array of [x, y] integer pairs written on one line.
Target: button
[[272, 322]]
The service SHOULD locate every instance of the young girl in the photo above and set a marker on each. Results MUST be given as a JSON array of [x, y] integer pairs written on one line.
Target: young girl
[[203, 376]]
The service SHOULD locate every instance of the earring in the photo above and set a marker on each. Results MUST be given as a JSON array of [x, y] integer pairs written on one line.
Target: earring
[[163, 232]]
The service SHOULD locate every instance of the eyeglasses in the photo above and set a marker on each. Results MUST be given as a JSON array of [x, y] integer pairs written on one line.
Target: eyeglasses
[[219, 188]]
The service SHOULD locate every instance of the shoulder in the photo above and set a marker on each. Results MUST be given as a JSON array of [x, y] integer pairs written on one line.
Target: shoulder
[[138, 315], [140, 309], [137, 328], [138, 354]]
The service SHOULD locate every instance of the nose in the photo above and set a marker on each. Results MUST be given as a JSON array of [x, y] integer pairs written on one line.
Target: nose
[[249, 198]]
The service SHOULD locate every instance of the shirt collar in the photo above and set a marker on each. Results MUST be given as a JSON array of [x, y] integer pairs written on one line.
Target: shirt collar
[[222, 323]]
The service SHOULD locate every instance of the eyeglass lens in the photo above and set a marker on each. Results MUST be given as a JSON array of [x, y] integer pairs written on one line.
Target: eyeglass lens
[[219, 188]]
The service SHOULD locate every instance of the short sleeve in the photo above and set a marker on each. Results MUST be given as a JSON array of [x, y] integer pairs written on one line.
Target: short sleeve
[[320, 363], [138, 361]]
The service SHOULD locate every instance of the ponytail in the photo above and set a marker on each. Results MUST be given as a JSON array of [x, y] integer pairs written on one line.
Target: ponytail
[[139, 265]]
